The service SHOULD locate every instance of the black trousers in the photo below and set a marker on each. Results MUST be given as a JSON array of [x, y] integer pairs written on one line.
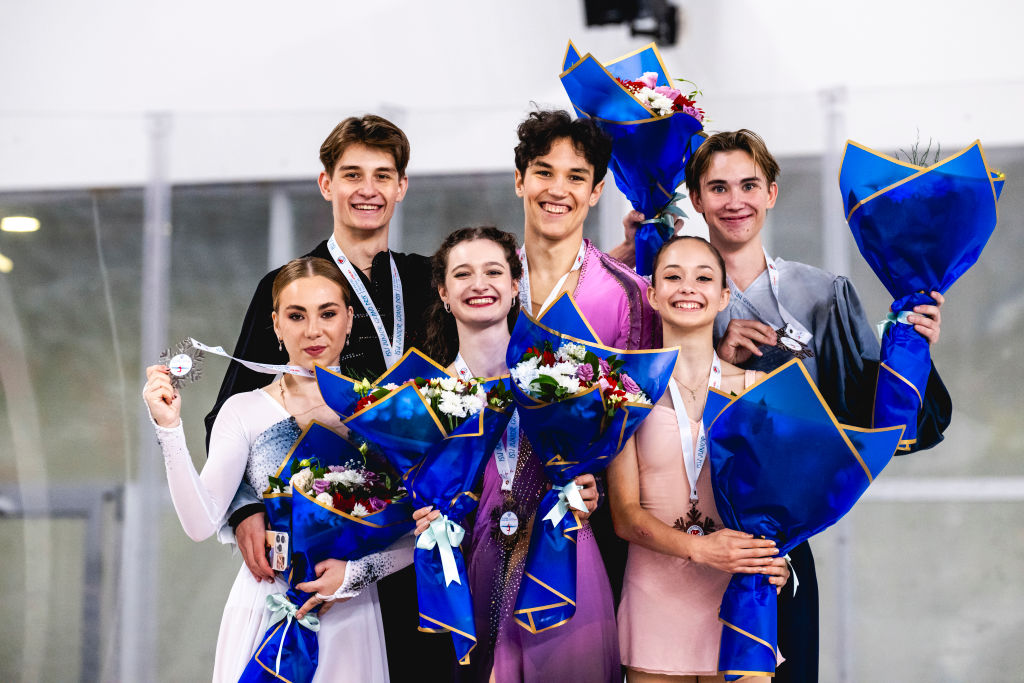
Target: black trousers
[[798, 622]]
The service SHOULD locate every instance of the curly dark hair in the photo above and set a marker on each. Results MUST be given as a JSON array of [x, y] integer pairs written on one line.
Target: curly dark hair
[[442, 336], [541, 129]]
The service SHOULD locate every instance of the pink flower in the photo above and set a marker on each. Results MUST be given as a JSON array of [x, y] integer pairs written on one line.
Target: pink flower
[[604, 384], [585, 372], [320, 485], [670, 93], [650, 79], [629, 385]]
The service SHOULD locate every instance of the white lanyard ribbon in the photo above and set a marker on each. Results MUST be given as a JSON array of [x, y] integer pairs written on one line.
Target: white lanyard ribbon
[[392, 350], [692, 461], [794, 328], [265, 368], [524, 282], [506, 452]]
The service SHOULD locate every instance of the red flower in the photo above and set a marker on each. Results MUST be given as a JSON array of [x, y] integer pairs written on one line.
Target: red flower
[[363, 402], [548, 358]]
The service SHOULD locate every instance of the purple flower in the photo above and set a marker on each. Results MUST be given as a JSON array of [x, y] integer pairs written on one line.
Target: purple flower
[[605, 367], [668, 92], [377, 504], [629, 385], [320, 485], [585, 372]]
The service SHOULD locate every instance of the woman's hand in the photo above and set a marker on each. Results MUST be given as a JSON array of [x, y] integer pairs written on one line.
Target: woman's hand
[[163, 401], [331, 575], [778, 573], [423, 517], [735, 552], [588, 493], [927, 320], [251, 537]]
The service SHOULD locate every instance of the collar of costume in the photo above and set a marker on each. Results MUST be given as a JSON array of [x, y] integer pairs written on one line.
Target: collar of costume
[[524, 282]]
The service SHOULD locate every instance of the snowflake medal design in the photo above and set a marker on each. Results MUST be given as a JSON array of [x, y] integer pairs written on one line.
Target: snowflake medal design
[[184, 361], [693, 525]]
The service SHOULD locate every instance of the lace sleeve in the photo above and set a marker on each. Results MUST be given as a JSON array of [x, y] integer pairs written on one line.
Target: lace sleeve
[[201, 500], [367, 570]]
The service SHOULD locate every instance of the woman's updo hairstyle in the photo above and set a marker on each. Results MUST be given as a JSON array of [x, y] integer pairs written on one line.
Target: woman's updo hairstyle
[[308, 266], [695, 238]]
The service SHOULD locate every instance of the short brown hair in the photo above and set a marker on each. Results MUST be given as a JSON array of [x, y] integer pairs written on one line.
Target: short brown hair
[[739, 140], [369, 130], [308, 266]]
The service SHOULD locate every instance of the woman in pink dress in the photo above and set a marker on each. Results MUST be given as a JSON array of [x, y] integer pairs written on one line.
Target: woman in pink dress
[[680, 557]]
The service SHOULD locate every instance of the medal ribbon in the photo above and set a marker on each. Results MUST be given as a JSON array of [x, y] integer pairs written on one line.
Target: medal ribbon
[[524, 282], [265, 368], [794, 328], [568, 496], [506, 452], [392, 350], [694, 462], [445, 534]]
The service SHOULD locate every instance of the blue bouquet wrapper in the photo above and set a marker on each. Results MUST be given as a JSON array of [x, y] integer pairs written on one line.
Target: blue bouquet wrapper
[[439, 468], [288, 650], [571, 437], [649, 152], [783, 468], [919, 228]]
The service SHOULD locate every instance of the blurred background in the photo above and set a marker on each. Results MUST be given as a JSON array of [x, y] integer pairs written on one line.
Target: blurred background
[[169, 154]]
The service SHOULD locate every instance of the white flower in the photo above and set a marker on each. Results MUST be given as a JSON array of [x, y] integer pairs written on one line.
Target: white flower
[[425, 391], [451, 404], [473, 403], [448, 383], [359, 511], [303, 479], [325, 498], [570, 351], [571, 384], [390, 386], [347, 478]]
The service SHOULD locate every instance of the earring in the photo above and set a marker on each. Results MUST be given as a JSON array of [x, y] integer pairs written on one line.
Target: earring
[[515, 300], [280, 344], [447, 307]]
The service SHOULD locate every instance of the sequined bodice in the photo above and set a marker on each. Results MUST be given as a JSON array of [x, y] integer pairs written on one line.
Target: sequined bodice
[[268, 452]]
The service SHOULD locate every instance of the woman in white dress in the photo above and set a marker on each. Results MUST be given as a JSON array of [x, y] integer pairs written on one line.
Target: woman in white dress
[[251, 437]]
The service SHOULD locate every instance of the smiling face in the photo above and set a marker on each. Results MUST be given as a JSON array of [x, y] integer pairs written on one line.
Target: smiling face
[[558, 190], [734, 198], [313, 321], [688, 287], [478, 283], [364, 189]]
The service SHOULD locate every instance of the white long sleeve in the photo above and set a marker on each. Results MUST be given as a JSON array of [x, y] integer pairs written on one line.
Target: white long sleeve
[[202, 500]]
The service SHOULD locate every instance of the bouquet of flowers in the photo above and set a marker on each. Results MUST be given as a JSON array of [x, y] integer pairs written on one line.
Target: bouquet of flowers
[[919, 228], [783, 468], [654, 129], [437, 431], [334, 503], [578, 406]]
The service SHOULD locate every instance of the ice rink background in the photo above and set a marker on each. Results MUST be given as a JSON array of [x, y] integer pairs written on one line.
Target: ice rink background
[[225, 105]]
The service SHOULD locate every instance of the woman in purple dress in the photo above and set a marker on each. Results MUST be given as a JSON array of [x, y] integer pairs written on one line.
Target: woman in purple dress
[[476, 272]]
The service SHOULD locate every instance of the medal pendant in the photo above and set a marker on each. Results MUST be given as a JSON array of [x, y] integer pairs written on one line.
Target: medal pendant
[[509, 523], [693, 524], [788, 343]]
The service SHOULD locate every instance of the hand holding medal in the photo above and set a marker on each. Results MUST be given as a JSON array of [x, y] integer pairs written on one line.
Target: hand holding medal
[[179, 364]]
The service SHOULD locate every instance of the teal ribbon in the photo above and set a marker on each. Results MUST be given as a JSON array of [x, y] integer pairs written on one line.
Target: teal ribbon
[[568, 496], [280, 608], [445, 534], [891, 318], [667, 216]]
